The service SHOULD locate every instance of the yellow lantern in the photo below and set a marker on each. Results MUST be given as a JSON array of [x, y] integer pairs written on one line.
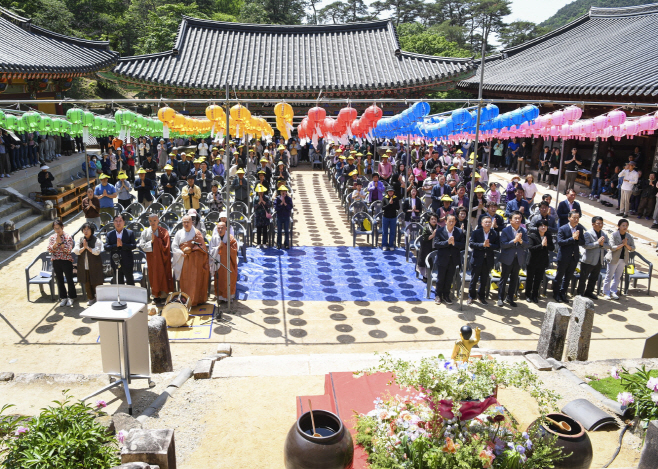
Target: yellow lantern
[[284, 110], [166, 114], [215, 113], [240, 113]]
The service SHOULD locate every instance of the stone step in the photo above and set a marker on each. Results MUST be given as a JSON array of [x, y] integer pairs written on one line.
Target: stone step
[[28, 222], [38, 230], [16, 216], [4, 199], [8, 208]]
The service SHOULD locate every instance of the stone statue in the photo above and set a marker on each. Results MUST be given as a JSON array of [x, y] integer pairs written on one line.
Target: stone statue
[[462, 350]]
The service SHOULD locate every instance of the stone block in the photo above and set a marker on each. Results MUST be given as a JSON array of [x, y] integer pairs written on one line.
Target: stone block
[[159, 341], [650, 348], [203, 369], [125, 422], [538, 362], [151, 447], [553, 331], [580, 330], [649, 456], [224, 348], [107, 422], [6, 376]]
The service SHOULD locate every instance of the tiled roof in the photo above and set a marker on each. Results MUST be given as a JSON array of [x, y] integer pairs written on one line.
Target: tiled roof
[[609, 52], [29, 49], [256, 57]]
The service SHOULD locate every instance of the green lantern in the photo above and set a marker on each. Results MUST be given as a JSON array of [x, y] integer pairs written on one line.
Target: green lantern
[[75, 115], [11, 121], [55, 126], [76, 129], [45, 124], [31, 120], [119, 116], [88, 119], [128, 118], [3, 119]]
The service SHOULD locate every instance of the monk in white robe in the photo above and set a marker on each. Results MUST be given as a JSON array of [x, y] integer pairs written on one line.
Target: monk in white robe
[[221, 244], [191, 262]]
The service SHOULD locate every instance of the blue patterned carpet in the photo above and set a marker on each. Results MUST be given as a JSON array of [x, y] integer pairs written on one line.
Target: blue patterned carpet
[[329, 274]]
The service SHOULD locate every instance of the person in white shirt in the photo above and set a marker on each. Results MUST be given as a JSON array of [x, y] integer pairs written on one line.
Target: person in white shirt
[[459, 161], [203, 148], [529, 188], [630, 179]]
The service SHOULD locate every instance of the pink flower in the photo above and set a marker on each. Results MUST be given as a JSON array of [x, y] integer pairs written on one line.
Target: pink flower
[[614, 372], [101, 404], [625, 398], [121, 436], [20, 431], [653, 384]]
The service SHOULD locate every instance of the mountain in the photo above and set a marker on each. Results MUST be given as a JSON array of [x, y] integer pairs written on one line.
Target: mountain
[[579, 8]]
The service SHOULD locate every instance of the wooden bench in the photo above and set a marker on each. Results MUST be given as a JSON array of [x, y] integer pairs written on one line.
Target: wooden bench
[[69, 201]]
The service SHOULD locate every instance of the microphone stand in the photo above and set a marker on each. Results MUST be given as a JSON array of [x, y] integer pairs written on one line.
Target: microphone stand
[[118, 304]]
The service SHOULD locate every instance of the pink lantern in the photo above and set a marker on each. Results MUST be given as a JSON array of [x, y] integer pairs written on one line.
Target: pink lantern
[[600, 122], [565, 131], [572, 113], [646, 124], [554, 132], [618, 132], [587, 126], [630, 128], [617, 117], [557, 118], [606, 133]]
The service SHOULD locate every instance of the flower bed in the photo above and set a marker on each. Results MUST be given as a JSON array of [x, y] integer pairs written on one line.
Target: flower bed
[[424, 429], [638, 391]]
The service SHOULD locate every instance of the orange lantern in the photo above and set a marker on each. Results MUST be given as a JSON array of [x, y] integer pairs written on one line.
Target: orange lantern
[[166, 114]]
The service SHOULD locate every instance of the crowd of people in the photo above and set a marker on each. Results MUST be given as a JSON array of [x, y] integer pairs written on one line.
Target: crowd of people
[[258, 177], [28, 149], [515, 235]]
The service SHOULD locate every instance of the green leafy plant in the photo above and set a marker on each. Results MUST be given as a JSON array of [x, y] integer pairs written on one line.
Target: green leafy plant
[[640, 391], [64, 436]]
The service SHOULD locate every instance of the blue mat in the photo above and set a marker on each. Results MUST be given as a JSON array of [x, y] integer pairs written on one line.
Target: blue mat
[[328, 274]]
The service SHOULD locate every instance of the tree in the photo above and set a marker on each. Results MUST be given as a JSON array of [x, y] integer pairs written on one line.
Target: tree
[[349, 11], [486, 17], [253, 12], [53, 15], [162, 27], [403, 11], [414, 37], [285, 11], [519, 32]]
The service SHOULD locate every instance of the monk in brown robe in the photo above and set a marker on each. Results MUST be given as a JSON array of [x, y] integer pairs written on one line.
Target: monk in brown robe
[[221, 244], [191, 262], [156, 243]]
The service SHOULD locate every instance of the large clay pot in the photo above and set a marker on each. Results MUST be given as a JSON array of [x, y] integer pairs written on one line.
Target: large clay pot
[[575, 441], [333, 450]]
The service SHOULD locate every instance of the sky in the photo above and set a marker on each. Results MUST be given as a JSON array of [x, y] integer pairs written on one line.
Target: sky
[[535, 10]]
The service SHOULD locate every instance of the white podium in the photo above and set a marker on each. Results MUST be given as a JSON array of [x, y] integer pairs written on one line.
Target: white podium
[[123, 335]]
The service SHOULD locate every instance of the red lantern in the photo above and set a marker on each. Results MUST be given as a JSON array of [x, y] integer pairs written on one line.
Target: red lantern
[[356, 128], [373, 114], [327, 126], [347, 115], [316, 114]]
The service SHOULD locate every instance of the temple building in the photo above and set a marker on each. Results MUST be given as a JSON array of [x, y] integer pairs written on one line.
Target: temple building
[[357, 60], [41, 63]]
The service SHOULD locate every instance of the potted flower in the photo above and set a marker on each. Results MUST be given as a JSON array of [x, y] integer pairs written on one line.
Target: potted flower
[[424, 429]]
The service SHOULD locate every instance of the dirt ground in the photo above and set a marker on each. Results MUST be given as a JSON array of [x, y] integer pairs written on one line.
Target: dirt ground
[[40, 337]]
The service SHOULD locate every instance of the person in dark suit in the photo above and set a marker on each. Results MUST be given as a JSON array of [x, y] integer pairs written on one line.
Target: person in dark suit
[[122, 241], [566, 207], [541, 244], [497, 221], [569, 238], [449, 241], [438, 191], [519, 204], [483, 244], [514, 244]]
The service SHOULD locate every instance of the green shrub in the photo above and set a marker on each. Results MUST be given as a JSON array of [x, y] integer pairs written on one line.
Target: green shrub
[[64, 436]]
